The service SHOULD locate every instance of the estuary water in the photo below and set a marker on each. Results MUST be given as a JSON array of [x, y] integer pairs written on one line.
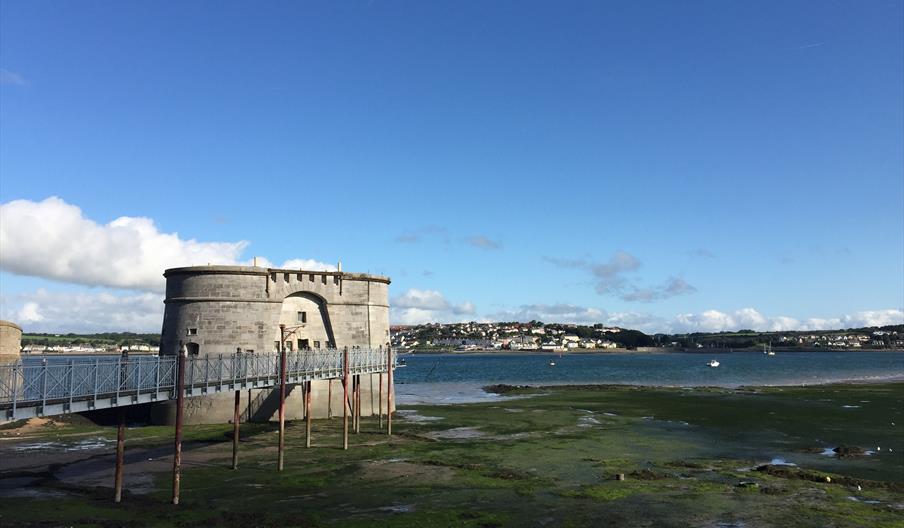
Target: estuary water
[[458, 378]]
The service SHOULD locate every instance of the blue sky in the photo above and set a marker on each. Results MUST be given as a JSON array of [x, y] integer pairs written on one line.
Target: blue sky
[[661, 165]]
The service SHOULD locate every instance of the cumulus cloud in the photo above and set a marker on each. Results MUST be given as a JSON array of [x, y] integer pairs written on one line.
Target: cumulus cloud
[[416, 306], [84, 312], [12, 78], [54, 240], [482, 242], [716, 321], [552, 313], [706, 321], [307, 265], [613, 277]]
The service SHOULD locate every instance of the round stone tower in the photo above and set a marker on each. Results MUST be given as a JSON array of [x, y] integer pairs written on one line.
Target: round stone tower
[[10, 342], [215, 310]]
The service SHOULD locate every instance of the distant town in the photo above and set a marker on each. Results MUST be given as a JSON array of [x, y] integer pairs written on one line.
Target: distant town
[[536, 335], [517, 336]]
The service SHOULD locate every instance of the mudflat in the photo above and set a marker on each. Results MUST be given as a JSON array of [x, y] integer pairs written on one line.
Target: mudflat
[[829, 455]]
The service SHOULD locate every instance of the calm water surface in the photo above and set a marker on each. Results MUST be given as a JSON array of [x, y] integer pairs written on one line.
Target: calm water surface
[[457, 378]]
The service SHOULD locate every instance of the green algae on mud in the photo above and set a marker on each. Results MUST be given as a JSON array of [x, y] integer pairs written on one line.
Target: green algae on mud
[[700, 457]]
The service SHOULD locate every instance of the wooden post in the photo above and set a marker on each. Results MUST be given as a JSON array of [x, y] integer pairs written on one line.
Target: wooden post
[[282, 396], [381, 401], [345, 399], [180, 400], [329, 400], [235, 431], [307, 406], [389, 391], [120, 447]]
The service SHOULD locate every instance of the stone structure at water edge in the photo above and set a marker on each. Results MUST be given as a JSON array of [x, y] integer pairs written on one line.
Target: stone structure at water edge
[[10, 342], [214, 310]]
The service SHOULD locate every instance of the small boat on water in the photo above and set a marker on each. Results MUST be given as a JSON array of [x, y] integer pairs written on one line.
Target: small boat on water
[[552, 363], [713, 363], [768, 349]]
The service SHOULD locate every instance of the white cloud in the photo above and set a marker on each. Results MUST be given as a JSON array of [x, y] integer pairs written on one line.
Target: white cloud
[[427, 306], [749, 318], [706, 321], [29, 313], [53, 239], [552, 313], [13, 78], [307, 265], [84, 312]]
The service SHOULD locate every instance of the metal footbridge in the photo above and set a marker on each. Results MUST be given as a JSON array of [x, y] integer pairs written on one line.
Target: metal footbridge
[[59, 386]]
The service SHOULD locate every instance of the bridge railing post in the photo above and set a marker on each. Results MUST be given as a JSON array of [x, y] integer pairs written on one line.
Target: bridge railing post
[[96, 369], [71, 373], [137, 377], [15, 386], [345, 403], [157, 377], [43, 384]]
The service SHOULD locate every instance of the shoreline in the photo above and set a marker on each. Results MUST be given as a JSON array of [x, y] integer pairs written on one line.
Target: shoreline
[[495, 388], [641, 351]]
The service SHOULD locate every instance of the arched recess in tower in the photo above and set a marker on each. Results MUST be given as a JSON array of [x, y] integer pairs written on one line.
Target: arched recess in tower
[[306, 314]]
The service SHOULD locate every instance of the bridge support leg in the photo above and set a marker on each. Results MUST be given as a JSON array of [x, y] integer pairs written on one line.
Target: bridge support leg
[[380, 399], [120, 447], [357, 397], [345, 399], [282, 399], [235, 430], [180, 400], [307, 412], [329, 400]]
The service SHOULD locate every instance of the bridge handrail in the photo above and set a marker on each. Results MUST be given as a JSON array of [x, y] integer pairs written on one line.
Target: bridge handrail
[[83, 378]]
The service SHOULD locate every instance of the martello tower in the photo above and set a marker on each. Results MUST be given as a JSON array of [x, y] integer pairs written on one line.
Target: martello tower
[[214, 310]]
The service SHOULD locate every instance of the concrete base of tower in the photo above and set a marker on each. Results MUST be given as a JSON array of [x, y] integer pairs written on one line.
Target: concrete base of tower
[[261, 405]]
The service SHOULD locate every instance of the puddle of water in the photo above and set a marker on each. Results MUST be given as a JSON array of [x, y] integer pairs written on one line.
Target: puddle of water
[[458, 433], [609, 414], [82, 445], [513, 410], [23, 487], [587, 421], [413, 416], [858, 499], [781, 462], [398, 508]]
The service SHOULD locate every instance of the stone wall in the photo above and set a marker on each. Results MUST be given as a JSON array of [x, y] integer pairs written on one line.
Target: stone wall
[[10, 342]]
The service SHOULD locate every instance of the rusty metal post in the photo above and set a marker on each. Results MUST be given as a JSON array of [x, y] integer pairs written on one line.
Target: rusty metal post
[[235, 430], [345, 399], [389, 392], [380, 400], [307, 409], [120, 447], [354, 403], [358, 405], [180, 401], [282, 396], [329, 400]]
